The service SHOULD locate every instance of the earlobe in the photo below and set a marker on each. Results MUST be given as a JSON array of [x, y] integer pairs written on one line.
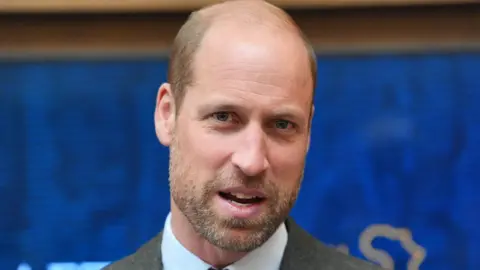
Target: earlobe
[[165, 114]]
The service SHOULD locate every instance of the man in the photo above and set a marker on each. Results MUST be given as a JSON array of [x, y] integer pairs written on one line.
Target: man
[[236, 115]]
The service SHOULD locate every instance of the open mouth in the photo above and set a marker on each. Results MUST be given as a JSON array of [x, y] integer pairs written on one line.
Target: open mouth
[[241, 199]]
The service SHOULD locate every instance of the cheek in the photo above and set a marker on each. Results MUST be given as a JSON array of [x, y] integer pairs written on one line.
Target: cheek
[[288, 162], [206, 150]]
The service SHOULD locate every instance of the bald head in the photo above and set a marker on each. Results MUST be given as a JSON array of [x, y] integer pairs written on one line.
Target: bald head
[[231, 17], [236, 113]]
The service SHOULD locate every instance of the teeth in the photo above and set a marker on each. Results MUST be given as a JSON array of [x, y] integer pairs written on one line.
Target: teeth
[[242, 196], [237, 203]]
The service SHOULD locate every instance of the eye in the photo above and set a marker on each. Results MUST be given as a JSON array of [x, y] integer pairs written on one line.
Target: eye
[[283, 124], [223, 116]]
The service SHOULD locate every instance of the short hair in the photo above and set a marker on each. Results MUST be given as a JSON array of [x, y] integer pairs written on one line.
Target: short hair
[[190, 36]]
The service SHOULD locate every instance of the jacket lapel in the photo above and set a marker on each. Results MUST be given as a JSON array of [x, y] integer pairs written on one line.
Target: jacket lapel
[[149, 257], [159, 266], [298, 252]]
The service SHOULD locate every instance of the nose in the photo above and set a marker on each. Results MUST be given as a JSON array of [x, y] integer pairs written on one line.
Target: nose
[[250, 155]]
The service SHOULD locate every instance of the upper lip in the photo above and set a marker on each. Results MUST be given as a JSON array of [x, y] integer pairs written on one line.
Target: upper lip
[[245, 191]]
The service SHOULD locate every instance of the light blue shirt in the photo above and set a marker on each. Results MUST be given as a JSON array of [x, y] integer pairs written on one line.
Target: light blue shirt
[[266, 257]]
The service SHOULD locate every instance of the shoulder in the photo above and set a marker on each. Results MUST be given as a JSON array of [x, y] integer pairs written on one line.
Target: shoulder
[[145, 258], [306, 251]]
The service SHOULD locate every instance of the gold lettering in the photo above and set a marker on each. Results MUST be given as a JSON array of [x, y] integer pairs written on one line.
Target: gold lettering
[[404, 236]]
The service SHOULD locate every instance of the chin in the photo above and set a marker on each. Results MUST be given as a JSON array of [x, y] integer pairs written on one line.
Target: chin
[[233, 234], [238, 240]]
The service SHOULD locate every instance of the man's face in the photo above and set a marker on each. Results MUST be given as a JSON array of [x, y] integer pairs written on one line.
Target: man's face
[[241, 137]]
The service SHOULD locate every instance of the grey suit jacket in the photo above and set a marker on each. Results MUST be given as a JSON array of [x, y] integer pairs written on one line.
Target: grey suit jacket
[[303, 252]]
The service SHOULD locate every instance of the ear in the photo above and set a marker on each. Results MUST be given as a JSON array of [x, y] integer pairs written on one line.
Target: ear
[[310, 127], [165, 115]]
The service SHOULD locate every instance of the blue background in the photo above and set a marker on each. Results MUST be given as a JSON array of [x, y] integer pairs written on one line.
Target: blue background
[[395, 140]]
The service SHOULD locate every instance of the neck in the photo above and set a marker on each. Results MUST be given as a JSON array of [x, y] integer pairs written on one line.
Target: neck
[[195, 243]]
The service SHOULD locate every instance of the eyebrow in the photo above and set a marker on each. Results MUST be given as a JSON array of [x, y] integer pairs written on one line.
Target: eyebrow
[[218, 105], [289, 113]]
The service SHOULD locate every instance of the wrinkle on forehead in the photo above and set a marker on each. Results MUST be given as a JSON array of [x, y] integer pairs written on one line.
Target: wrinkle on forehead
[[250, 79]]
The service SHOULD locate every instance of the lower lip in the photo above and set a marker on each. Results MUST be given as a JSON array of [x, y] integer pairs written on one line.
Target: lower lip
[[238, 210]]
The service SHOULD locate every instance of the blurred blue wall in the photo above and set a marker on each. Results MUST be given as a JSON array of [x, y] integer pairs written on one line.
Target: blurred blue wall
[[395, 141]]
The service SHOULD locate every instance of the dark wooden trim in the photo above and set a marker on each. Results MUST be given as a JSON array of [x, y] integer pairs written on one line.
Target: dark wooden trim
[[426, 28], [103, 6]]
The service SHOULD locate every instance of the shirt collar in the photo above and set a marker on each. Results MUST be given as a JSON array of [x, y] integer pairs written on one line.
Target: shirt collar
[[268, 256]]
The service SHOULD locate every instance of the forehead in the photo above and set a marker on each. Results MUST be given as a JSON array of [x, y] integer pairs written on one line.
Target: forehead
[[254, 60]]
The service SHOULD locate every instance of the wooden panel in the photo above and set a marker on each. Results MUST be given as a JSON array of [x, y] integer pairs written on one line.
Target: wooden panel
[[169, 5], [394, 29], [331, 31]]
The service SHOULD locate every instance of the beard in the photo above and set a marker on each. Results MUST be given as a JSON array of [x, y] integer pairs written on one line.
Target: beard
[[195, 201]]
